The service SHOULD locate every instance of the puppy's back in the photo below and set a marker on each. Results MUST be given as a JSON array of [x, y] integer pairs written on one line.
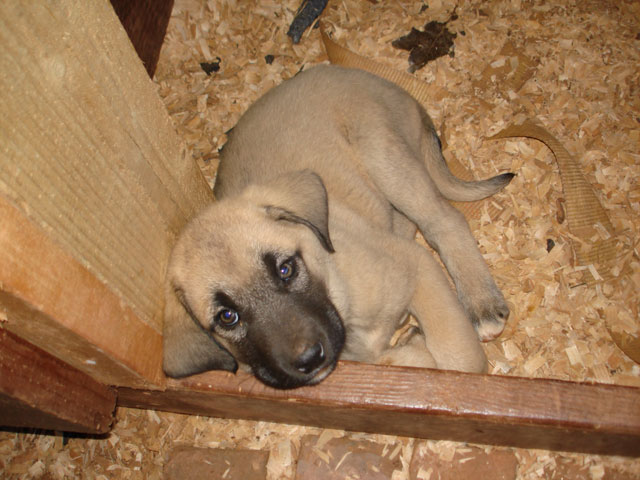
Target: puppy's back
[[312, 121]]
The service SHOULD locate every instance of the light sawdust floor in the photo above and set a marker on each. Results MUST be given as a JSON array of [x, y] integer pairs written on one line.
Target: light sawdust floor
[[585, 89]]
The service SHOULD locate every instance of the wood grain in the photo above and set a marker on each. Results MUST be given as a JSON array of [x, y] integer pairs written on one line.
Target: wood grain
[[88, 151], [432, 404], [52, 301], [38, 390], [94, 187]]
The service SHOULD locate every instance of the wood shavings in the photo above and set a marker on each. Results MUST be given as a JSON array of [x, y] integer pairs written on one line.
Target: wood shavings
[[425, 474], [511, 350], [281, 460], [326, 436], [344, 457], [583, 86]]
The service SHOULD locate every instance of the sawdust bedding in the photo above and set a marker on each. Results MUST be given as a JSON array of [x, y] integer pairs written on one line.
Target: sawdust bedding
[[584, 88]]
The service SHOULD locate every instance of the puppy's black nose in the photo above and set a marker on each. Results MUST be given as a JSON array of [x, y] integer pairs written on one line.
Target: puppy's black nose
[[311, 358]]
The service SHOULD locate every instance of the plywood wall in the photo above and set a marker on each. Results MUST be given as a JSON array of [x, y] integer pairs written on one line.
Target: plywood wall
[[94, 186]]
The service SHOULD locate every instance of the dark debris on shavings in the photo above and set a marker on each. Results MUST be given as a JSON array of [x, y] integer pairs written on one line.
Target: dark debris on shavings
[[433, 42], [211, 67], [307, 13], [550, 244]]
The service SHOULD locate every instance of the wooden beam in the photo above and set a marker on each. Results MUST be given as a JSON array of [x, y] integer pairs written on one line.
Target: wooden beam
[[486, 409], [38, 390], [95, 185], [51, 300], [145, 21]]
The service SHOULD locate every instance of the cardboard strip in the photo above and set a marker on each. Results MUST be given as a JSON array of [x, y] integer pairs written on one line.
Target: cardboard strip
[[588, 220], [340, 55], [629, 344]]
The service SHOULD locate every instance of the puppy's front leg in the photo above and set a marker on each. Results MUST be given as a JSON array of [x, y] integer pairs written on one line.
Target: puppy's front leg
[[447, 231], [449, 336]]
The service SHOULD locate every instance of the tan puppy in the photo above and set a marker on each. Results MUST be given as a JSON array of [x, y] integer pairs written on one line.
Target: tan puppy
[[309, 256]]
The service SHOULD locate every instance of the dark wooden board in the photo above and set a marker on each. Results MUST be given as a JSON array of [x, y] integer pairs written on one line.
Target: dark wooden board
[[485, 409], [38, 390], [145, 21]]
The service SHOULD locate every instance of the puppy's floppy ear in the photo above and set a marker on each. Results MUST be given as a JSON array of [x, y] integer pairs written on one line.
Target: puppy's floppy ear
[[187, 347], [298, 197]]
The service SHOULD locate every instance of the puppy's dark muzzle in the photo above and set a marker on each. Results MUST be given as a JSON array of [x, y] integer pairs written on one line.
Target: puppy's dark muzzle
[[303, 352]]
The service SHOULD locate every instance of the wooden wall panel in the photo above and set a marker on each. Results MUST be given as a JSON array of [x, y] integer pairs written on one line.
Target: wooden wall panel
[[51, 300], [89, 156]]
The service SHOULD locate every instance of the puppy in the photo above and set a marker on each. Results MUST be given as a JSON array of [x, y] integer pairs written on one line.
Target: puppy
[[308, 254]]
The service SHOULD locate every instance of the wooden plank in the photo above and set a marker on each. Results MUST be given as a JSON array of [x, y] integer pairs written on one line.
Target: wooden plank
[[38, 390], [145, 21], [89, 155], [88, 150], [432, 404], [51, 300]]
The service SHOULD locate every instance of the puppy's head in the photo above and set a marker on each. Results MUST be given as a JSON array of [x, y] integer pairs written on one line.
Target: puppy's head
[[246, 285]]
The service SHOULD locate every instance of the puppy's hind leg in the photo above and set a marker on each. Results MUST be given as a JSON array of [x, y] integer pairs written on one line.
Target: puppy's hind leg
[[404, 180]]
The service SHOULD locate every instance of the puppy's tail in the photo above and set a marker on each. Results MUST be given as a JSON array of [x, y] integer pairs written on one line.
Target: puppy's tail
[[451, 187], [454, 188], [457, 190]]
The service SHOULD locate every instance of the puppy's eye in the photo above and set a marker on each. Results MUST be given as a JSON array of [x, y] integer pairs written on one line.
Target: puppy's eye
[[228, 318], [286, 270]]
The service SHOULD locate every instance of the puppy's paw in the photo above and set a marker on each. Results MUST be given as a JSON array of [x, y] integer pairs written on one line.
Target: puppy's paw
[[407, 335], [412, 353], [488, 315]]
